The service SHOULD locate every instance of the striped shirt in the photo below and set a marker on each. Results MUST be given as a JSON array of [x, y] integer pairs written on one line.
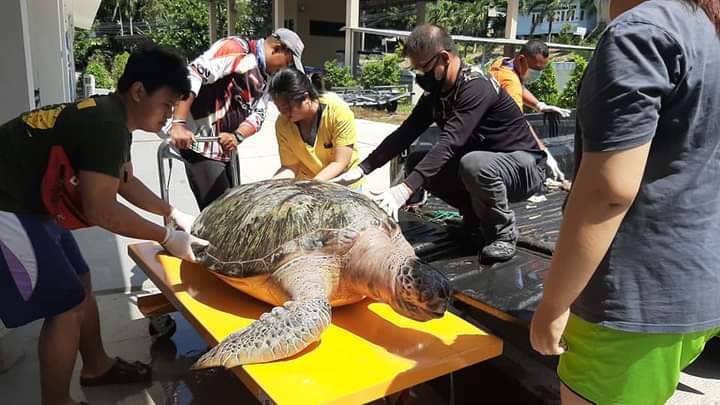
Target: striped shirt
[[228, 81]]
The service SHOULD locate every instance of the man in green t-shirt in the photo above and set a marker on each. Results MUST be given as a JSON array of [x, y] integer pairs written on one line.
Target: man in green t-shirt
[[62, 167]]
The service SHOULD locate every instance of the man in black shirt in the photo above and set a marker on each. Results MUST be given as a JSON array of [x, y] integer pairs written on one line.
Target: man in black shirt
[[485, 155]]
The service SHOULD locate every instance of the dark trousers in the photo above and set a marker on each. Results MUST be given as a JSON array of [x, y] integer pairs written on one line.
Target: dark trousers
[[209, 179], [482, 184]]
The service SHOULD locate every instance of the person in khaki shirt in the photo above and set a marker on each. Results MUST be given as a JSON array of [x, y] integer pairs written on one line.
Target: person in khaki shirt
[[315, 131]]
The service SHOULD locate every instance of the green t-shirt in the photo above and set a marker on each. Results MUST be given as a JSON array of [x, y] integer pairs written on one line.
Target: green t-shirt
[[93, 133]]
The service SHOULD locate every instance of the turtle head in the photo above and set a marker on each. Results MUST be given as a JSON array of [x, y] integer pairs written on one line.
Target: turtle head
[[420, 292]]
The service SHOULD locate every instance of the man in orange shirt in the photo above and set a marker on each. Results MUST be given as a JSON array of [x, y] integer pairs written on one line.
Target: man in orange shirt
[[511, 74]]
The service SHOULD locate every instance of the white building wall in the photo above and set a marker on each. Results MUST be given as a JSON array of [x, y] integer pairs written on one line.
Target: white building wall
[[68, 30], [37, 67], [49, 50], [319, 49], [291, 12], [16, 78]]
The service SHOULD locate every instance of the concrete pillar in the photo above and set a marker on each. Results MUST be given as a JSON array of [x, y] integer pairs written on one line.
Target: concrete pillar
[[511, 24], [421, 12], [362, 35], [232, 17], [511, 19], [352, 19], [279, 14], [212, 21], [16, 77]]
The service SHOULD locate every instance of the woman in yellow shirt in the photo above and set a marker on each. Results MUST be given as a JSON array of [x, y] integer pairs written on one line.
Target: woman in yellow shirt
[[315, 130]]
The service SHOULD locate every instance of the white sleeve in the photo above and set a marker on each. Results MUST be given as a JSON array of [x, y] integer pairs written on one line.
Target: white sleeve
[[227, 56]]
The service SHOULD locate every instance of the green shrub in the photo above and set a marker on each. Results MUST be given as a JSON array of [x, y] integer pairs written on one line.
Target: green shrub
[[97, 67], [545, 87], [566, 36], [118, 66], [381, 72], [400, 49], [569, 95], [337, 76]]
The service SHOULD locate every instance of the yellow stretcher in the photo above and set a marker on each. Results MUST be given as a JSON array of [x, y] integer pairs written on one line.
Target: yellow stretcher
[[368, 351]]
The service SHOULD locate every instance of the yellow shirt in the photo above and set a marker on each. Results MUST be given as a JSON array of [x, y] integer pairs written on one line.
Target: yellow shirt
[[509, 80], [337, 128]]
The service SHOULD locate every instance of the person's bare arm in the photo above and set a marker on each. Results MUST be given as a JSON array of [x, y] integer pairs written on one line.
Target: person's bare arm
[[341, 160], [529, 99], [539, 106], [99, 201], [285, 173], [229, 141], [605, 188], [182, 108], [180, 135], [137, 193]]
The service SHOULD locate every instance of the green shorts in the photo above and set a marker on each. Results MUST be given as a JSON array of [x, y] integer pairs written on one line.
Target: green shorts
[[608, 366]]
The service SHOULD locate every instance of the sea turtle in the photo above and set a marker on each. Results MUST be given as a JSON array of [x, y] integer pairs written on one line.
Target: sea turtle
[[305, 246]]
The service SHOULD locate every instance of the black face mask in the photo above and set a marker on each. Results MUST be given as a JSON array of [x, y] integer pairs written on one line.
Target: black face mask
[[429, 83]]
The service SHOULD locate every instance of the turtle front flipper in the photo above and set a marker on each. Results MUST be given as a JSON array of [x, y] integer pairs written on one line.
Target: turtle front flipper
[[287, 329], [281, 333]]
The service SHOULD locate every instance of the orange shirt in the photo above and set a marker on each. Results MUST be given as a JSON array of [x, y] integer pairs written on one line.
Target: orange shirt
[[503, 72]]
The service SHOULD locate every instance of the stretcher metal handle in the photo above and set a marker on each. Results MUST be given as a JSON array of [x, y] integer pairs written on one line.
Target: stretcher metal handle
[[168, 152]]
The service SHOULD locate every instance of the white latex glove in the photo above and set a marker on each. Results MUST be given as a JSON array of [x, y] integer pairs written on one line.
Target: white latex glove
[[557, 174], [542, 107], [181, 220], [179, 243], [349, 177], [393, 199]]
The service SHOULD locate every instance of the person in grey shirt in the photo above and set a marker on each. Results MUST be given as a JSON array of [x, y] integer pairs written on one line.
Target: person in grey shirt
[[633, 292]]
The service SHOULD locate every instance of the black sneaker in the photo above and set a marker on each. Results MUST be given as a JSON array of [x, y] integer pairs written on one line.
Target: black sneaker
[[498, 251]]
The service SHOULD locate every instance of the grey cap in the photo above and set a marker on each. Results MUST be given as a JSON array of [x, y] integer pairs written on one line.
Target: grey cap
[[291, 41]]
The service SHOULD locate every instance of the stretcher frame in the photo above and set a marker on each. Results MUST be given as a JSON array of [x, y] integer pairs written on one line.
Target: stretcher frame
[[167, 152]]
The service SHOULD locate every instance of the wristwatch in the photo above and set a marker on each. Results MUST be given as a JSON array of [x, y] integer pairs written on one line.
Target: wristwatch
[[238, 136]]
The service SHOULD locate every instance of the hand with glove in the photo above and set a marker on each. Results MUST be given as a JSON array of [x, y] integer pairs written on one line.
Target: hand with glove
[[550, 161], [542, 107], [179, 244], [180, 220], [393, 199], [349, 177]]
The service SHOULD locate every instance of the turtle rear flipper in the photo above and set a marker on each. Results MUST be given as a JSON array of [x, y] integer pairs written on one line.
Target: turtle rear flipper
[[279, 334], [286, 330]]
